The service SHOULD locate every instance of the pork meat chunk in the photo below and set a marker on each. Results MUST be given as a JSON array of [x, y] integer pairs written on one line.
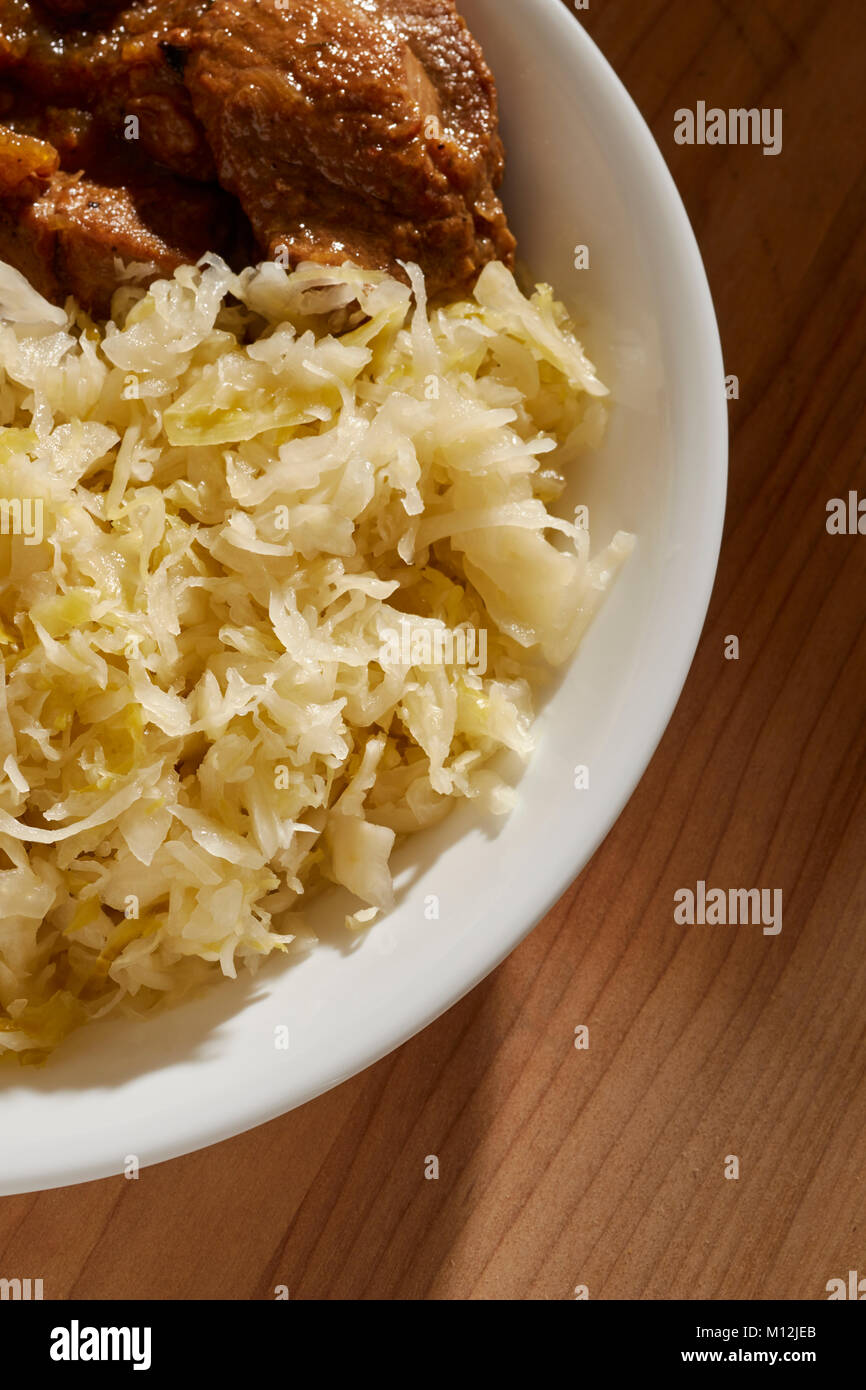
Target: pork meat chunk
[[354, 131]]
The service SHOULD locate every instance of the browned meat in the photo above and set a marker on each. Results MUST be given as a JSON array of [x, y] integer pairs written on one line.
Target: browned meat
[[25, 164], [75, 9], [347, 129], [471, 152], [67, 238], [464, 84], [355, 131], [75, 135], [116, 71]]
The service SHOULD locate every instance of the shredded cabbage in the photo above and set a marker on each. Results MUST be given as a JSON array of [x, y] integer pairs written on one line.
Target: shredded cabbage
[[258, 531]]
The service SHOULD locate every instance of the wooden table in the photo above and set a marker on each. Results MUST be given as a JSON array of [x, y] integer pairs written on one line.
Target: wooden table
[[606, 1168]]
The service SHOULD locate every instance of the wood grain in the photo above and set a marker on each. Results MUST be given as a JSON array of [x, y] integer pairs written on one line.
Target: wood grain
[[605, 1167]]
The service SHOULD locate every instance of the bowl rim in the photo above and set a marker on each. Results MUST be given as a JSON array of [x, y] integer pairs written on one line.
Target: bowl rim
[[707, 417]]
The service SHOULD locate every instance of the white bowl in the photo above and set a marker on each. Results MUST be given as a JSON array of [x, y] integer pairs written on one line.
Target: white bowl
[[583, 169]]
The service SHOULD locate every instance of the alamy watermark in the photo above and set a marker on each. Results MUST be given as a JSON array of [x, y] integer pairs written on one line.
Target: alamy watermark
[[425, 645], [23, 516], [77, 1343], [737, 126], [21, 1290], [852, 1288], [846, 516], [732, 907]]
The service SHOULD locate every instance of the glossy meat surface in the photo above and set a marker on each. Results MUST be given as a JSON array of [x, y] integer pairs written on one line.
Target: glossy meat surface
[[346, 129]]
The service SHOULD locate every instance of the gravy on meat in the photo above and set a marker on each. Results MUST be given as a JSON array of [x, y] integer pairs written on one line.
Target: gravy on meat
[[325, 130]]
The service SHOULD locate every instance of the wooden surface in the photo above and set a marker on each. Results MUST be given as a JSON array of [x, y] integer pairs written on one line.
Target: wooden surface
[[605, 1167]]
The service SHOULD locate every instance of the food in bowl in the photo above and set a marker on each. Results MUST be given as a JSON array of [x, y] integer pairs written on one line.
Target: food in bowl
[[279, 574], [326, 130]]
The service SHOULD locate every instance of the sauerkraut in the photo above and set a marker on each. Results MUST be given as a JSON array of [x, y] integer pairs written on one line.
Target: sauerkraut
[[256, 532]]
